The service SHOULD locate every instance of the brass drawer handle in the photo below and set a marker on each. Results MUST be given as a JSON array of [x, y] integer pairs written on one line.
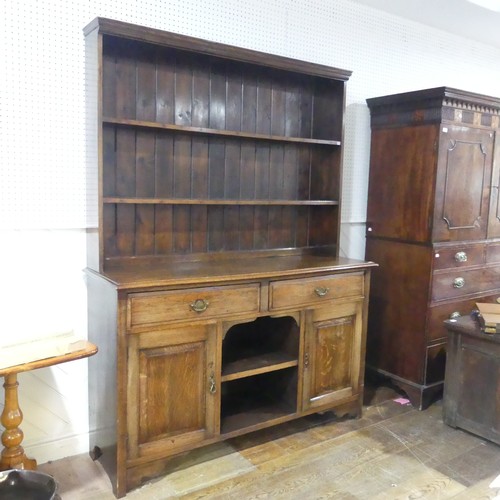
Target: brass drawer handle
[[455, 315], [199, 305], [461, 257], [320, 291], [458, 283]]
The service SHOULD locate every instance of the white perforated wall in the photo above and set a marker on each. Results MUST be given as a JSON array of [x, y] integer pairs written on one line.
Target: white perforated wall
[[42, 180]]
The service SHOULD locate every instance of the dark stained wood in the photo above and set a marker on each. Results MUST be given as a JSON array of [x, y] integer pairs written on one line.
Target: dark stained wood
[[191, 128], [398, 205], [462, 203], [431, 223], [403, 273], [471, 397]]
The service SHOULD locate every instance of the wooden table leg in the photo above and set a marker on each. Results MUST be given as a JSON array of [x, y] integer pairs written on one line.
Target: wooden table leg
[[13, 456]]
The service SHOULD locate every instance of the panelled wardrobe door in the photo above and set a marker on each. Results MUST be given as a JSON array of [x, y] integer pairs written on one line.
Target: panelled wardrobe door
[[462, 183]]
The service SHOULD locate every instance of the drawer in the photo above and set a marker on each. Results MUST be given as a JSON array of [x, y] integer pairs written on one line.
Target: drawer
[[448, 310], [313, 291], [458, 256], [151, 308], [458, 283]]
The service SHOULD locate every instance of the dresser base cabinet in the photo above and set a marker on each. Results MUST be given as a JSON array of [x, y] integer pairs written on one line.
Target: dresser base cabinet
[[245, 354], [472, 383]]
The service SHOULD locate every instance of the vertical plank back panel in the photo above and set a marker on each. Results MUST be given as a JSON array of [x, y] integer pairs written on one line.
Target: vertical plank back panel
[[109, 161], [165, 86], [293, 117], [278, 104], [125, 162], [145, 187], [183, 94], [154, 84], [126, 79], [146, 84], [182, 189], [199, 189], [109, 81], [249, 103], [247, 192]]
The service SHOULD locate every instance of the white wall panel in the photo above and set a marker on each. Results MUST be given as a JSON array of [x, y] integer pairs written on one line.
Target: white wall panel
[[42, 142]]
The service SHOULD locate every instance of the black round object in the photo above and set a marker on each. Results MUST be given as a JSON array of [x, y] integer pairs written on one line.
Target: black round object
[[22, 484]]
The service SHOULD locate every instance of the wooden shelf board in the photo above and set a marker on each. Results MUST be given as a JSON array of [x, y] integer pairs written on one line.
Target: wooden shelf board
[[189, 201], [254, 417], [212, 131], [255, 365]]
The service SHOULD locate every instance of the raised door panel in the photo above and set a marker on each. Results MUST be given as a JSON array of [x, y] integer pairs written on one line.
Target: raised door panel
[[463, 184], [172, 390], [332, 355]]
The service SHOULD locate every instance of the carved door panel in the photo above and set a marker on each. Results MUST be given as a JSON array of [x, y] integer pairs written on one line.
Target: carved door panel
[[172, 389], [332, 355], [463, 184]]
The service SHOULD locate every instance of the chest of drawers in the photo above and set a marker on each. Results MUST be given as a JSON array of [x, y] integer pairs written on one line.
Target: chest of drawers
[[433, 226]]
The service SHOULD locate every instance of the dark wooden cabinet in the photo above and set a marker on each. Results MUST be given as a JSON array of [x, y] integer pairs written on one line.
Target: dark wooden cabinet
[[471, 393], [216, 292], [432, 226]]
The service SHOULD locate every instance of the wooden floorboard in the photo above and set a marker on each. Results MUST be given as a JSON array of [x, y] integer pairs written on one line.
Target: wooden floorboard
[[392, 452]]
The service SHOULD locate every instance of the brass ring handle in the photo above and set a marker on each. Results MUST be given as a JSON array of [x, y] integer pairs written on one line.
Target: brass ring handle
[[199, 305], [458, 283], [321, 292], [461, 257], [455, 315]]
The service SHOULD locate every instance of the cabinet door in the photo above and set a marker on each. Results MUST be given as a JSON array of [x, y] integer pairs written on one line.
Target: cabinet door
[[172, 390], [334, 347], [463, 183], [494, 214]]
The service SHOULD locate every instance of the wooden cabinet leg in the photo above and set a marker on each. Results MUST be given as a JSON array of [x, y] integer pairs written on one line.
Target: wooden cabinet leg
[[13, 456]]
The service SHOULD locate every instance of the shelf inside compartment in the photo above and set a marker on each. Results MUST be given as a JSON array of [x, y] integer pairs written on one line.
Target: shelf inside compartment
[[263, 345], [255, 400]]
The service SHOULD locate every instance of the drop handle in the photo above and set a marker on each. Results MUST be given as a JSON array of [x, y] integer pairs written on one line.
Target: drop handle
[[458, 283], [211, 384], [320, 291], [199, 305]]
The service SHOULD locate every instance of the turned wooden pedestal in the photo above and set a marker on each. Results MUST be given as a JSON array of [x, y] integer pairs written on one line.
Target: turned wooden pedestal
[[13, 456]]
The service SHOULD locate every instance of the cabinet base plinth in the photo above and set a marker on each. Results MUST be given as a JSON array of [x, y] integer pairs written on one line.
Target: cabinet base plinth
[[420, 396]]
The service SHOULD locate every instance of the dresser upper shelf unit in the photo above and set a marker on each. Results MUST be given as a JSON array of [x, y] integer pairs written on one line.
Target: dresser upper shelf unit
[[202, 147]]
